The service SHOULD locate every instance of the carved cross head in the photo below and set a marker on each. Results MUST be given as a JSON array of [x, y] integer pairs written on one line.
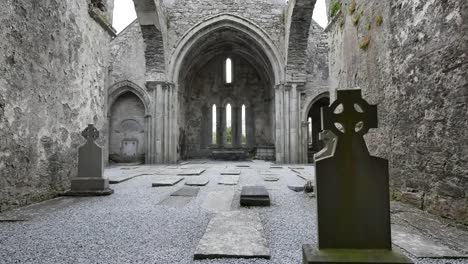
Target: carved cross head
[[349, 115], [90, 133]]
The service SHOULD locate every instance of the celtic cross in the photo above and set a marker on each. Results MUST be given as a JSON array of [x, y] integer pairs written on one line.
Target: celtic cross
[[90, 133], [349, 115]]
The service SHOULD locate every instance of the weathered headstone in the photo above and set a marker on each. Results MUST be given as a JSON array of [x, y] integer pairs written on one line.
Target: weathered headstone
[[353, 207], [90, 181], [254, 196], [330, 145]]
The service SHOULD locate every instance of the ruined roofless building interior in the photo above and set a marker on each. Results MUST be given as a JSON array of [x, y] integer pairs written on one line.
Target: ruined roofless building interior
[[193, 79]]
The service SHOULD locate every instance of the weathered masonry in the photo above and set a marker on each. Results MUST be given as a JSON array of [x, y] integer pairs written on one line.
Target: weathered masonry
[[216, 76]]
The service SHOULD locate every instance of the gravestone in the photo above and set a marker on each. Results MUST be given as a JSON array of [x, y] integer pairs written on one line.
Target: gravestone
[[254, 196], [330, 145], [90, 181], [353, 207]]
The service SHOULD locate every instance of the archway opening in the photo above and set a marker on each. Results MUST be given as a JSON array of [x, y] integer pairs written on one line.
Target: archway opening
[[314, 127], [230, 68], [127, 129]]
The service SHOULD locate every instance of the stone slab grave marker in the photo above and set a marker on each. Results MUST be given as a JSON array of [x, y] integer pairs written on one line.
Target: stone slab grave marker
[[230, 172], [186, 191], [90, 180], [169, 181], [254, 196], [353, 207], [233, 234], [197, 181]]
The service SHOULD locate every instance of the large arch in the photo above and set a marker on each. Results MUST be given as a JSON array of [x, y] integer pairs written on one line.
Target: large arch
[[297, 35], [216, 23]]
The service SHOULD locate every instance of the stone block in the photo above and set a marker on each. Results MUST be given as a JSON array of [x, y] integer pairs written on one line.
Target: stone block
[[167, 181], [312, 255], [254, 196]]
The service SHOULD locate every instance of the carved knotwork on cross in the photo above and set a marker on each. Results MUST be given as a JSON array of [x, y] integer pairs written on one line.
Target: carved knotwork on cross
[[90, 133], [350, 114]]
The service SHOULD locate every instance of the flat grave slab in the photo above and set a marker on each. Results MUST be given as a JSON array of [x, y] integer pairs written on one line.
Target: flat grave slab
[[197, 181], [296, 167], [243, 166], [176, 201], [233, 235], [270, 178], [420, 246], [121, 178], [267, 173], [276, 167], [218, 201], [230, 172], [254, 196], [186, 191], [191, 172], [169, 181], [229, 180]]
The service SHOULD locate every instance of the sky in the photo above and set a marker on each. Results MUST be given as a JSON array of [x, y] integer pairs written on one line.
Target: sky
[[124, 13]]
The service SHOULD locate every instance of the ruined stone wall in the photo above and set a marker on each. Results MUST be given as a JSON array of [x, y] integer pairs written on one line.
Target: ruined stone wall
[[127, 127], [410, 58], [53, 65], [127, 60], [208, 87], [317, 67], [184, 14]]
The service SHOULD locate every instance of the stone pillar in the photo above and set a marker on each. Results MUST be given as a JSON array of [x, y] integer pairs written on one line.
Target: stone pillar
[[236, 126], [250, 125], [172, 130], [294, 125], [219, 128], [222, 126], [279, 123], [158, 137], [287, 118], [166, 124], [304, 137], [148, 145]]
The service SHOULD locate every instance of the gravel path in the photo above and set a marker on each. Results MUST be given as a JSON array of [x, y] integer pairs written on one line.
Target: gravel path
[[130, 227]]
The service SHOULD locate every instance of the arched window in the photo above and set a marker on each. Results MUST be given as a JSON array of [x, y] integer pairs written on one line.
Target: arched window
[[228, 68], [244, 132], [213, 122], [228, 125]]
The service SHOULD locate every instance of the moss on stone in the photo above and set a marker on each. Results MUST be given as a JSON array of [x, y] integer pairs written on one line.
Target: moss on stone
[[335, 7]]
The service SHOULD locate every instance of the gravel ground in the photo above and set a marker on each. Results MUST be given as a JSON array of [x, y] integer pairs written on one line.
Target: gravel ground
[[130, 227]]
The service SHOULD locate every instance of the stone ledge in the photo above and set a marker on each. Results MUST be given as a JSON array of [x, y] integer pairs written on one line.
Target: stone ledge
[[98, 16]]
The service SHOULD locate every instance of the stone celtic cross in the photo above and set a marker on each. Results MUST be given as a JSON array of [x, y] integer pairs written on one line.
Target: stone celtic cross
[[352, 186], [90, 133]]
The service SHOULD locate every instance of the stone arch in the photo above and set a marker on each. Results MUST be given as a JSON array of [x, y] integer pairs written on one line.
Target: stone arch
[[127, 126], [221, 21], [122, 87], [310, 102], [298, 26]]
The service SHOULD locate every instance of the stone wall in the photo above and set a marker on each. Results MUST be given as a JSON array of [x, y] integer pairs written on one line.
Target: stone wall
[[181, 15], [53, 65], [128, 57], [208, 87], [127, 129], [410, 58]]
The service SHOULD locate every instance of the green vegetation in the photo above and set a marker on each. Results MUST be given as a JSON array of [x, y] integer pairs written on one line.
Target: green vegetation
[[352, 7], [378, 20], [364, 43], [356, 19], [335, 7]]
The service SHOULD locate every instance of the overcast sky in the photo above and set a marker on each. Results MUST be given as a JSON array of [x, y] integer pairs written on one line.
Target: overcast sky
[[124, 13]]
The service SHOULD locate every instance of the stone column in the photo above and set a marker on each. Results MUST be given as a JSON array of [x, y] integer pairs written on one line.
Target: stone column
[[166, 124], [250, 125], [294, 125], [279, 123], [236, 126], [222, 126], [304, 137], [219, 129], [172, 124], [158, 138], [287, 118]]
